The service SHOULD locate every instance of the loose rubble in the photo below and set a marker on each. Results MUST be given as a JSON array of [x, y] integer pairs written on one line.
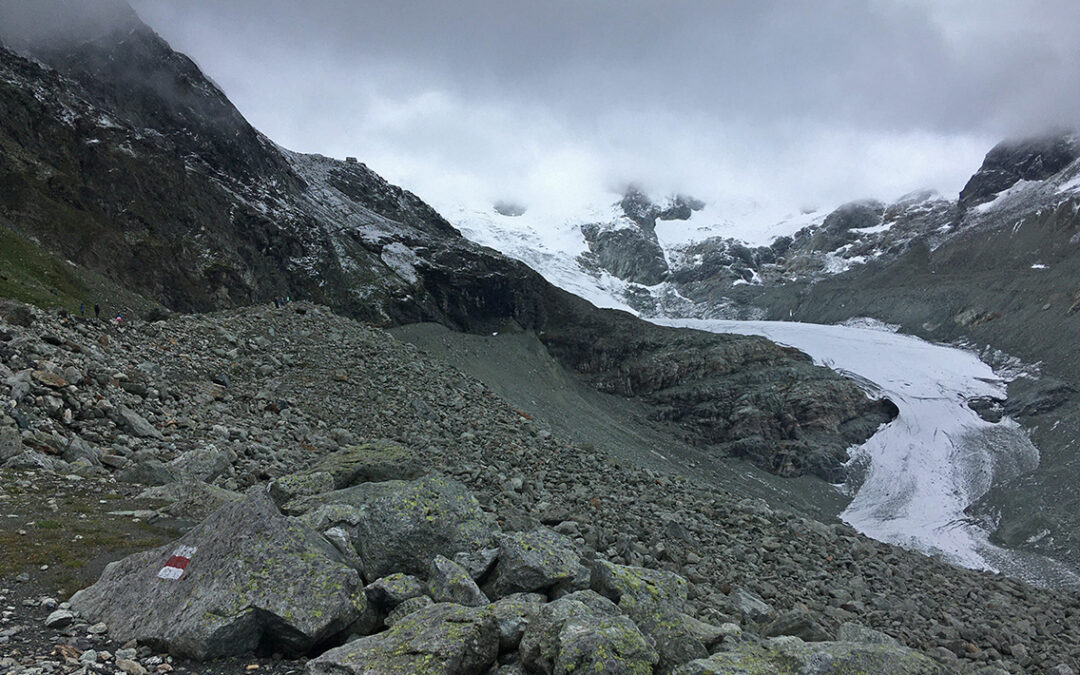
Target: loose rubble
[[404, 517]]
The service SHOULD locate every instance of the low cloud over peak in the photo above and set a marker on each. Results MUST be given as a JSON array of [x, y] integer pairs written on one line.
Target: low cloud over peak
[[785, 103]]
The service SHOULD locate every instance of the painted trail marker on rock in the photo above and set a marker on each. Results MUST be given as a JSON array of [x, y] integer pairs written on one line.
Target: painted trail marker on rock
[[175, 565]]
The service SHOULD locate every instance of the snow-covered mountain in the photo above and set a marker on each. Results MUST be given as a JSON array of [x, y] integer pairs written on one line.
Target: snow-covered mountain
[[994, 269]]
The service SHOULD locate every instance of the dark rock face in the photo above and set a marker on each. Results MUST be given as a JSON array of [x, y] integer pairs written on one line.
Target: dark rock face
[[836, 230], [627, 253], [743, 396], [630, 251], [510, 209], [1011, 161]]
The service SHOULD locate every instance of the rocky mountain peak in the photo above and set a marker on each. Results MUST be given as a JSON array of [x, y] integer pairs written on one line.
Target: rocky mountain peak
[[1031, 159]]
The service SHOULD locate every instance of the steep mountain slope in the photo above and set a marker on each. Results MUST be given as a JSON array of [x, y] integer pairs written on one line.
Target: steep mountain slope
[[118, 154], [1007, 282]]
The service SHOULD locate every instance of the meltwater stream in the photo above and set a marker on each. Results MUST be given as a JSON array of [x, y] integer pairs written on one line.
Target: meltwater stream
[[936, 458]]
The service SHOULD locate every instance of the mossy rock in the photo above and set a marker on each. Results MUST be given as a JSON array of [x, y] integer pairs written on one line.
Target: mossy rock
[[585, 633], [438, 639], [792, 656], [369, 463]]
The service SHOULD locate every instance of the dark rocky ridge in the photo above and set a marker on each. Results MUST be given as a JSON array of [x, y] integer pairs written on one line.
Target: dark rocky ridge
[[1008, 162], [120, 155]]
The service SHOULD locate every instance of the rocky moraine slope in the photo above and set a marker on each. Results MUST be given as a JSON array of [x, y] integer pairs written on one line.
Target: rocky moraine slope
[[378, 510], [120, 156]]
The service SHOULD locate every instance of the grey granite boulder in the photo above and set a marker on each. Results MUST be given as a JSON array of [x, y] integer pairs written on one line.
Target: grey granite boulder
[[536, 561], [392, 590], [400, 526], [654, 599], [792, 655], [585, 632], [799, 623], [246, 576], [135, 423], [450, 582], [441, 639], [374, 462]]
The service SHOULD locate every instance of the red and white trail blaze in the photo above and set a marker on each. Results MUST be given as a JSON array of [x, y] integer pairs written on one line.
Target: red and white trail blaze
[[175, 565]]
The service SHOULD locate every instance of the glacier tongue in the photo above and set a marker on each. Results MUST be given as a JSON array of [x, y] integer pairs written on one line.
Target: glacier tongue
[[922, 470]]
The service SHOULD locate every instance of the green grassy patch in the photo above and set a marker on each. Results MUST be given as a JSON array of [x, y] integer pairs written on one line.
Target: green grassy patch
[[30, 274]]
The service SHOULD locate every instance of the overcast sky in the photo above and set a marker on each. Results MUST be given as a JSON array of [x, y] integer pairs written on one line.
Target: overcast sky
[[804, 104]]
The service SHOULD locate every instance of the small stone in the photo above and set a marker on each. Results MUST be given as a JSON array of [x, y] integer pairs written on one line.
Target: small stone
[[130, 667], [98, 629], [60, 618]]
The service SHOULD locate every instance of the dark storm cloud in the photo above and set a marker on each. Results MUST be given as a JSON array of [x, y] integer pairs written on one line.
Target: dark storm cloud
[[786, 101], [891, 64]]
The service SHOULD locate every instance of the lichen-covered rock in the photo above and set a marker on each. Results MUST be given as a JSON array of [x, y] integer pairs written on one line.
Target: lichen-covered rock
[[194, 500], [450, 582], [750, 606], [539, 560], [792, 656], [442, 639], [705, 633], [634, 587], [245, 576], [399, 526], [799, 623], [302, 484], [478, 563], [392, 590], [512, 615], [585, 632], [654, 599], [406, 608], [369, 463], [856, 632]]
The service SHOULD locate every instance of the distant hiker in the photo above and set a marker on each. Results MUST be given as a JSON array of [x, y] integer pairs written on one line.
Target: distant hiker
[[97, 312], [277, 302], [119, 319], [82, 309]]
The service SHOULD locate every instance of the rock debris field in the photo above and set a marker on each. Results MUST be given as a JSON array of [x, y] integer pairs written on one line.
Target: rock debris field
[[286, 490]]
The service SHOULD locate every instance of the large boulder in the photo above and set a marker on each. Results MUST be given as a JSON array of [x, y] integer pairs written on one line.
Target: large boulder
[[441, 639], [399, 526], [369, 463], [193, 500], [135, 423], [202, 464], [450, 582], [799, 623], [654, 599], [10, 444], [246, 577], [585, 632], [792, 655], [540, 560]]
